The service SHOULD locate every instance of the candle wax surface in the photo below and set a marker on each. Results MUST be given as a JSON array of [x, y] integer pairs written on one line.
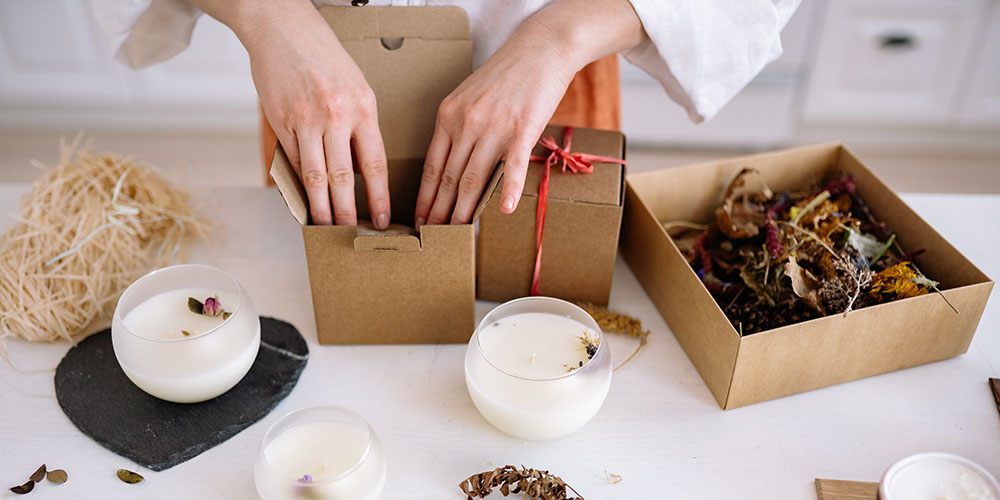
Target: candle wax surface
[[535, 345], [939, 479], [324, 450], [166, 315]]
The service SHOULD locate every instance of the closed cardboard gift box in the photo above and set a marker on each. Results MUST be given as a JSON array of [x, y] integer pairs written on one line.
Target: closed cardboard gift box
[[394, 288], [800, 357], [580, 238]]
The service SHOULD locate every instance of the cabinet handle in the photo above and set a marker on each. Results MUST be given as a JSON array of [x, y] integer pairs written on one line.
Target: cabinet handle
[[897, 42]]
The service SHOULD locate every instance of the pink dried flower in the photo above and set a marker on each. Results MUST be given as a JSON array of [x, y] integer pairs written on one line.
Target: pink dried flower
[[306, 478], [212, 307], [774, 246]]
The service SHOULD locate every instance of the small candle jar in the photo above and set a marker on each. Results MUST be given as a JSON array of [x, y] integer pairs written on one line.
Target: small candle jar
[[934, 476], [321, 453], [538, 368], [185, 333]]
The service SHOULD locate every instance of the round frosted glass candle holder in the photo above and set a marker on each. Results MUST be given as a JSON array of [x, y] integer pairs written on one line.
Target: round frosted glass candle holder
[[320, 453], [521, 402], [152, 349], [933, 476]]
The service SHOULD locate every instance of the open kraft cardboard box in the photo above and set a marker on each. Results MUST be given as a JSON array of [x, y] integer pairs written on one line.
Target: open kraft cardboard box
[[394, 288], [744, 370], [582, 222]]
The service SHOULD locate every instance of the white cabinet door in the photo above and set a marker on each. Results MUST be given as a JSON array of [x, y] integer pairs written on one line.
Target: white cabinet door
[[898, 62], [982, 103]]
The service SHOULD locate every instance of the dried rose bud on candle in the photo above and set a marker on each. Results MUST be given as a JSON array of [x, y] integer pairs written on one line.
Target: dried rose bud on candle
[[212, 307]]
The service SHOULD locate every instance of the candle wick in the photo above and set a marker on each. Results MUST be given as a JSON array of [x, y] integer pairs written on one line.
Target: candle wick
[[533, 357]]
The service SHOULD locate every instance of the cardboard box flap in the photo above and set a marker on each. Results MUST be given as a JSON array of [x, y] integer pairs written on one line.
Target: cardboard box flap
[[602, 186], [491, 186], [291, 190], [409, 81]]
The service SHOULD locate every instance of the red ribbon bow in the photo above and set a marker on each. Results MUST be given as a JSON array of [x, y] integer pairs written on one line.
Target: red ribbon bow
[[577, 163]]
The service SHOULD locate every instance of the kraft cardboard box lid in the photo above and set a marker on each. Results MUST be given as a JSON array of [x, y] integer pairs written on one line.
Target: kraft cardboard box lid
[[412, 57], [603, 186]]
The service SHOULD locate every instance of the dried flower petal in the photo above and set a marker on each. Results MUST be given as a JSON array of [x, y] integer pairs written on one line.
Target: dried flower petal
[[130, 477], [24, 488], [57, 476], [306, 478], [185, 333], [212, 307], [38, 475]]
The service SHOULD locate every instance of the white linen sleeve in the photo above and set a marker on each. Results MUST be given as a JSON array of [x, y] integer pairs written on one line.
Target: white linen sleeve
[[145, 32], [704, 52]]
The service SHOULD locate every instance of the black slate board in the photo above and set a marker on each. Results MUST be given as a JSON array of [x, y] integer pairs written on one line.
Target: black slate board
[[104, 404]]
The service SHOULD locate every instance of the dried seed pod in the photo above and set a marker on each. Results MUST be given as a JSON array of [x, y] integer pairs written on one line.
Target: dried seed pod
[[24, 488], [129, 477], [38, 475], [57, 476]]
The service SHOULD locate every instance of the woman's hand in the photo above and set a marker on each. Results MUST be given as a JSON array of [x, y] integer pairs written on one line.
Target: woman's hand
[[318, 102], [501, 109]]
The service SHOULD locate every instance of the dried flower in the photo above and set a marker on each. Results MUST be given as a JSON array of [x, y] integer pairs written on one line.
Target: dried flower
[[535, 484], [212, 307], [610, 321], [771, 261], [306, 478]]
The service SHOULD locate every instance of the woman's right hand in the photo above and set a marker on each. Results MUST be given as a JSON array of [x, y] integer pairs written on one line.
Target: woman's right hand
[[320, 106]]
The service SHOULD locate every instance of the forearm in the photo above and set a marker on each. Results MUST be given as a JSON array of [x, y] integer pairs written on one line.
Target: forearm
[[582, 31], [248, 17]]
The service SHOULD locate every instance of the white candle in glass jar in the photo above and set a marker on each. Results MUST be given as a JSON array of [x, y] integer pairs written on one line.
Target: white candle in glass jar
[[537, 368], [323, 452], [937, 476], [174, 353]]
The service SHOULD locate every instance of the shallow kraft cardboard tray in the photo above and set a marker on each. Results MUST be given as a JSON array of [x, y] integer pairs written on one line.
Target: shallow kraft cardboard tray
[[813, 354], [394, 288]]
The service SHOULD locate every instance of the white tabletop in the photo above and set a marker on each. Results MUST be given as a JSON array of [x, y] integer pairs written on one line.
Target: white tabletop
[[660, 428]]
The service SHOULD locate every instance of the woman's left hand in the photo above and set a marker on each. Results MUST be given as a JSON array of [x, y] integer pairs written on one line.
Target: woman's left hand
[[502, 108], [498, 112]]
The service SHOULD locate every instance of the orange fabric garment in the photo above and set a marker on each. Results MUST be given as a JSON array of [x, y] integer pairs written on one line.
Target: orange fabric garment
[[593, 99]]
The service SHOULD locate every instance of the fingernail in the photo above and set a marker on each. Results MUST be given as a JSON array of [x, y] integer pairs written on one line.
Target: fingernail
[[508, 203], [382, 221], [420, 222]]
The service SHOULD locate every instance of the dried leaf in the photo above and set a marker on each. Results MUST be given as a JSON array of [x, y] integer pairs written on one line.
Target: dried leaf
[[195, 305], [57, 476], [804, 284], [24, 488], [866, 244], [741, 216], [186, 333], [226, 315], [129, 477], [38, 475]]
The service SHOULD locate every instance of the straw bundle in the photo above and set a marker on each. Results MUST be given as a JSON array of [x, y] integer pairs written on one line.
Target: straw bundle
[[90, 226]]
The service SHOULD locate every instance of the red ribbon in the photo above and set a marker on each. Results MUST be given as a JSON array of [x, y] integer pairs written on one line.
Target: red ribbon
[[577, 163]]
